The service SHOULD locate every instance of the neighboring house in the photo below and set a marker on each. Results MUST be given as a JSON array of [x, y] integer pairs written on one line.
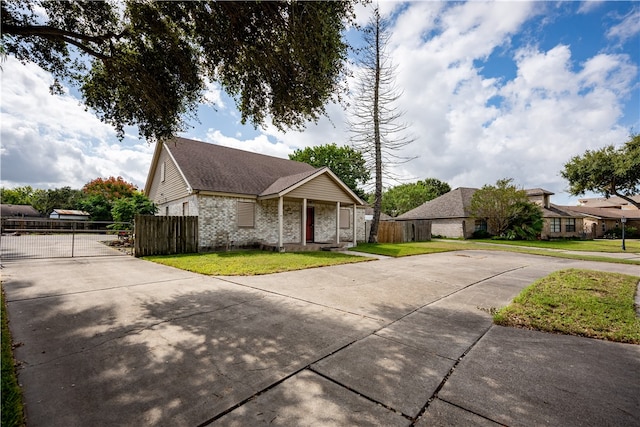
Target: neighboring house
[[247, 199], [450, 217], [71, 214], [558, 221], [449, 214], [18, 211], [600, 221], [613, 202]]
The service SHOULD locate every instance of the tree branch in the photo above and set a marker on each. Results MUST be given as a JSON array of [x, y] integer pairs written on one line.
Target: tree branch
[[69, 37], [627, 198]]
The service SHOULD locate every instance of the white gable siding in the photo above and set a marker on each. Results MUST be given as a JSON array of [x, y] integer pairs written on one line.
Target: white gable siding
[[173, 187], [321, 188]]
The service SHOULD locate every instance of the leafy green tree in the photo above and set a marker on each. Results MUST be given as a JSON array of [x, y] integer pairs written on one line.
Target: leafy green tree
[[98, 207], [526, 221], [111, 188], [17, 196], [100, 194], [506, 209], [402, 198], [125, 209], [148, 63], [45, 201], [347, 163], [608, 171]]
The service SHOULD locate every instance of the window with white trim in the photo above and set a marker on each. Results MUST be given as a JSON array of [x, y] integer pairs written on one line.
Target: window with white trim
[[246, 214], [163, 171]]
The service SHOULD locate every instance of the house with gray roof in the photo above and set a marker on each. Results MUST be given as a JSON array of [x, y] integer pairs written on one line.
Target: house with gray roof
[[600, 221], [450, 217], [246, 199], [449, 214], [18, 211]]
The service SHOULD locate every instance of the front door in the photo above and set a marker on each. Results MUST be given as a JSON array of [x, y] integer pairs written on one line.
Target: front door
[[310, 221]]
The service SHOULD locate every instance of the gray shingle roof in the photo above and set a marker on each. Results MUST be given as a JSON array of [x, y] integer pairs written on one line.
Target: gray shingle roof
[[210, 167], [603, 213], [454, 204], [8, 210]]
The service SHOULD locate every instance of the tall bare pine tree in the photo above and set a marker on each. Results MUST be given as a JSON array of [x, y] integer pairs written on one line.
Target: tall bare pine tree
[[375, 120]]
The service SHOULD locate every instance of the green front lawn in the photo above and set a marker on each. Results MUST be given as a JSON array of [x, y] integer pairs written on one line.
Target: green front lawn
[[610, 246], [250, 263], [535, 248], [578, 302], [411, 248]]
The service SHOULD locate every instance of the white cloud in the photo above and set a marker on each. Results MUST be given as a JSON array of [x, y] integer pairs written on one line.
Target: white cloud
[[589, 6], [472, 129], [51, 141], [259, 144], [213, 95], [629, 27]]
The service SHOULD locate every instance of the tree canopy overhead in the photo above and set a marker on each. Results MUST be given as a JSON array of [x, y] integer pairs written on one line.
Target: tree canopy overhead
[[147, 63], [609, 171]]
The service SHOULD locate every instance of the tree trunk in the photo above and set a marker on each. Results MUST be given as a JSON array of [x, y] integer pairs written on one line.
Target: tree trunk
[[377, 205]]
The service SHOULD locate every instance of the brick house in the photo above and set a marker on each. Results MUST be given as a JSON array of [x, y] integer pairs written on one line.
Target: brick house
[[450, 217], [600, 221], [245, 199], [449, 214]]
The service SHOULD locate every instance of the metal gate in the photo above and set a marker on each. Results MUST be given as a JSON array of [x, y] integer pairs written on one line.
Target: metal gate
[[51, 238]]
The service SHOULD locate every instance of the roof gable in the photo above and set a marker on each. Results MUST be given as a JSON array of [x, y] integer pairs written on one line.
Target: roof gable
[[321, 184], [454, 204], [210, 167]]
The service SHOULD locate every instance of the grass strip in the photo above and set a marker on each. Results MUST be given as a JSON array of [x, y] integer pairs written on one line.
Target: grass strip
[[12, 408], [435, 246], [600, 245], [250, 263], [411, 248], [587, 303]]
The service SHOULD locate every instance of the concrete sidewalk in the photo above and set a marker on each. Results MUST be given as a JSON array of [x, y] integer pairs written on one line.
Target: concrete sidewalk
[[120, 341]]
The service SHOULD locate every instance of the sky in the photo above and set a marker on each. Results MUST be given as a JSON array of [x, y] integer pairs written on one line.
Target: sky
[[490, 90]]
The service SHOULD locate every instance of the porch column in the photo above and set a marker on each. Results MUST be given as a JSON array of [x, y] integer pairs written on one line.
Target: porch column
[[280, 223], [353, 226], [337, 222], [304, 222]]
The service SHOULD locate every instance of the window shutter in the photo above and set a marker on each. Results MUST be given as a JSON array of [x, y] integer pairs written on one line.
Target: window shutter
[[344, 218], [246, 214]]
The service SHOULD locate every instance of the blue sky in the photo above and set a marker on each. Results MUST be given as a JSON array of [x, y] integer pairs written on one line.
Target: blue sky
[[491, 90]]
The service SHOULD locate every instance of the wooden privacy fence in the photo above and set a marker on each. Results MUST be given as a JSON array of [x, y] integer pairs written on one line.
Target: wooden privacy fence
[[165, 235], [404, 231]]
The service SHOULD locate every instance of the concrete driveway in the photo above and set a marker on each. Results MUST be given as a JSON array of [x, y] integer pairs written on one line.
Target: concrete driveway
[[121, 341]]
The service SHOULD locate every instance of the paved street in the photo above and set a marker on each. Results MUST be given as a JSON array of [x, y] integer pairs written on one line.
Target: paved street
[[121, 341]]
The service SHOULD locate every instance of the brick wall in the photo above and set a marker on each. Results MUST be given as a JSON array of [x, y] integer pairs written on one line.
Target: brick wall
[[449, 227], [218, 221]]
